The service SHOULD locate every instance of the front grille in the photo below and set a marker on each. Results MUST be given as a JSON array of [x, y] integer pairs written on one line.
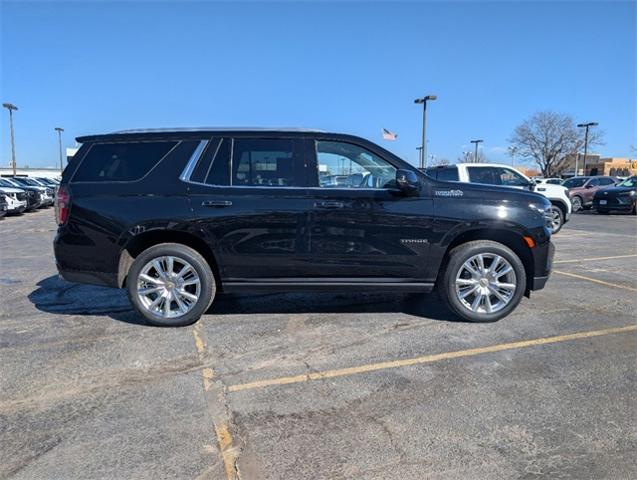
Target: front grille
[[21, 196]]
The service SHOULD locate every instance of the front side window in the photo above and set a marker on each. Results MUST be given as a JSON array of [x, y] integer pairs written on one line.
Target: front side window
[[606, 181], [266, 163], [345, 165], [496, 176], [574, 182], [123, 161]]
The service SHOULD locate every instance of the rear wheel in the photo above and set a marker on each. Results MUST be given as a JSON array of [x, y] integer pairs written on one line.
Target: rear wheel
[[171, 285], [483, 281]]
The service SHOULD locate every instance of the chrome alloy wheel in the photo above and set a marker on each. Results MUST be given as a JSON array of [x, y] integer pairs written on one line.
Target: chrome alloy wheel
[[168, 287], [485, 283], [555, 219]]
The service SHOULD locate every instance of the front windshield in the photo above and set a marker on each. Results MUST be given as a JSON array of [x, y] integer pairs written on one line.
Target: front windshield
[[6, 183], [574, 182], [629, 182]]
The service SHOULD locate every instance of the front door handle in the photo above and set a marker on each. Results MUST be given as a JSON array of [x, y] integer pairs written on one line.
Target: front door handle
[[216, 203], [328, 204]]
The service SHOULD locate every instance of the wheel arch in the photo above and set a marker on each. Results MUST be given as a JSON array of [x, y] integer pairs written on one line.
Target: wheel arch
[[137, 244], [509, 238]]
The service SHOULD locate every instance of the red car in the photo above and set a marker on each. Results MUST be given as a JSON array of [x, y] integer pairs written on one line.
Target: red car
[[581, 190]]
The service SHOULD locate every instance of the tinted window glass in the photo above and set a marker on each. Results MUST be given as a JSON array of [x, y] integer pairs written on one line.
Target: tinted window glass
[[265, 163], [449, 174], [345, 165], [606, 181], [219, 172], [124, 161], [593, 183], [574, 182], [201, 170], [496, 176]]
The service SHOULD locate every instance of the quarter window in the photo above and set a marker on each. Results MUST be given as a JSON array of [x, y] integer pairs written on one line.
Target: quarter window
[[345, 165], [266, 163], [125, 161]]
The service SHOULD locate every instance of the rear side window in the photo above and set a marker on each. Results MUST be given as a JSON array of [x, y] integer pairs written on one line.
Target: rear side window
[[448, 174], [121, 162], [214, 166], [266, 163]]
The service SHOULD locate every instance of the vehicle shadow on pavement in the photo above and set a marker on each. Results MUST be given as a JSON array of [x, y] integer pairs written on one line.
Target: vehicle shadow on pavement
[[57, 296], [422, 305]]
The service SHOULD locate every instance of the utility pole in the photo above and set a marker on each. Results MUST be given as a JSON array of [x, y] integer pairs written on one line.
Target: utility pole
[[11, 107], [423, 152], [586, 126], [60, 130], [513, 150], [475, 158]]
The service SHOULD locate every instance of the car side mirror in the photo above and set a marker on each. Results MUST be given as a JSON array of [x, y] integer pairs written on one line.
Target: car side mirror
[[589, 186], [407, 181]]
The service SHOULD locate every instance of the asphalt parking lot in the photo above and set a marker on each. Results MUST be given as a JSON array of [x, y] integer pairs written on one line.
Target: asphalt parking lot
[[321, 385]]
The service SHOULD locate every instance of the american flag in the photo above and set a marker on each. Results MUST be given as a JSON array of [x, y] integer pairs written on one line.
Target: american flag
[[387, 135]]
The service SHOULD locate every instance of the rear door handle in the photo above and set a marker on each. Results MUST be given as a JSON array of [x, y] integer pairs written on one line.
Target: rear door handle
[[328, 204], [216, 203]]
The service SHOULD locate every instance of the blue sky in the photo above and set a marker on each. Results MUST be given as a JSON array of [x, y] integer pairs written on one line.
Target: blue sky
[[352, 67]]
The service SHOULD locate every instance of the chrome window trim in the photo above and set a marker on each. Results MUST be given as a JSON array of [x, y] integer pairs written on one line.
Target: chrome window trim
[[194, 158]]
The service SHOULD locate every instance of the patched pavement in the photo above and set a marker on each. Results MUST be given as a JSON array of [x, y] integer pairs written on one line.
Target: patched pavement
[[321, 385]]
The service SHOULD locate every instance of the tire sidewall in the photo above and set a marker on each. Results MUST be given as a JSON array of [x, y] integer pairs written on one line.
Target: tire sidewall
[[575, 207], [462, 254], [207, 286]]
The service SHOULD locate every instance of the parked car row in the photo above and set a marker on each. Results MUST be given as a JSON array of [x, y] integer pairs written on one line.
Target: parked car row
[[602, 192], [20, 194]]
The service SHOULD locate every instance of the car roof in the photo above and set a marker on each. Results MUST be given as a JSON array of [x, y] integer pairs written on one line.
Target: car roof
[[196, 132]]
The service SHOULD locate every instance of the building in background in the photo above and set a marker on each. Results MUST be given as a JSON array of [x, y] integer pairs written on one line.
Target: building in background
[[596, 165]]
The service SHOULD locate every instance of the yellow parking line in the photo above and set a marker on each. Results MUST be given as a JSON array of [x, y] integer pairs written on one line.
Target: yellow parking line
[[595, 258], [594, 280], [372, 367]]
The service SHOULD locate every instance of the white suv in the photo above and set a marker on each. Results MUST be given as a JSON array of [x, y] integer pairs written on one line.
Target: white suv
[[506, 176]]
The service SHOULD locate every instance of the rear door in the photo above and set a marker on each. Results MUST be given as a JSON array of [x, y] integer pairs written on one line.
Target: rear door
[[249, 199], [361, 227]]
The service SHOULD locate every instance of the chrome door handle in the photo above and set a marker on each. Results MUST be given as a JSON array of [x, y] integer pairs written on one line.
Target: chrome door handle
[[216, 203], [328, 204]]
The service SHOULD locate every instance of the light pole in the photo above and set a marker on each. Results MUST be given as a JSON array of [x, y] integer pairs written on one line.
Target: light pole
[[513, 151], [60, 130], [11, 107], [586, 126], [423, 152], [475, 158]]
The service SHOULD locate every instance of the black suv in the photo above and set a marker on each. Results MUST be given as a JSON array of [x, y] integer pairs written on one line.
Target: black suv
[[176, 216]]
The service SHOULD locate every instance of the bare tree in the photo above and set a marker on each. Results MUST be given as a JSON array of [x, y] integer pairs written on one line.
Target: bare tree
[[548, 137], [439, 161], [470, 157]]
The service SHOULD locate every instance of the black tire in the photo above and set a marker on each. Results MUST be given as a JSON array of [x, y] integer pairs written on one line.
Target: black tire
[[560, 218], [577, 203], [208, 286], [457, 257]]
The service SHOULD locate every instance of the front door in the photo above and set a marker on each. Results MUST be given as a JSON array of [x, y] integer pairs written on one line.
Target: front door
[[249, 199], [361, 226]]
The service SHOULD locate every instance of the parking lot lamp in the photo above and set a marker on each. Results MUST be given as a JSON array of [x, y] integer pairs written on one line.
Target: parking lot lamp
[[423, 152], [586, 126], [11, 107], [60, 130], [475, 158]]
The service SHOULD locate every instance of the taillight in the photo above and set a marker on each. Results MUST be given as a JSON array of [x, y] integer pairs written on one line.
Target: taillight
[[62, 205]]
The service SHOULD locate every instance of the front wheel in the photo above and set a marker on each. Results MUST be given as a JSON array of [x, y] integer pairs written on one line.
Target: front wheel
[[557, 219], [576, 203], [171, 285], [483, 281]]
